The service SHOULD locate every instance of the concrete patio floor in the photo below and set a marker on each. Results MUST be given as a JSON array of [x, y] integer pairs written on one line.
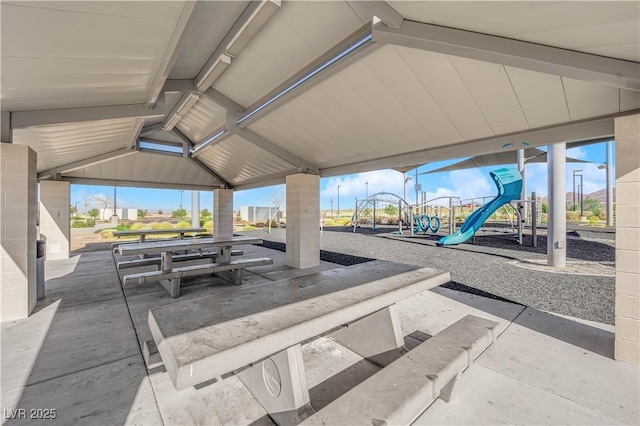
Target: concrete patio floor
[[80, 354]]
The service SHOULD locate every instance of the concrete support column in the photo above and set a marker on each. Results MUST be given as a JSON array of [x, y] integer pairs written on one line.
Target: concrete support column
[[223, 213], [557, 206], [18, 209], [303, 221], [609, 183], [627, 345], [55, 199], [195, 209]]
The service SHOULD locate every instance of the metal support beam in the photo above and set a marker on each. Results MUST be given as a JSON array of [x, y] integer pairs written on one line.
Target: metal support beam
[[255, 15], [122, 152], [26, 119], [223, 183], [314, 73], [272, 148], [516, 53], [151, 129], [178, 86], [6, 134], [590, 129], [171, 53], [366, 10], [224, 101], [135, 184], [198, 163], [275, 179]]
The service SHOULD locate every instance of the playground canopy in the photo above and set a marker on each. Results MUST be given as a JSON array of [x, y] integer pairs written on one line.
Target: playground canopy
[[531, 155], [241, 94]]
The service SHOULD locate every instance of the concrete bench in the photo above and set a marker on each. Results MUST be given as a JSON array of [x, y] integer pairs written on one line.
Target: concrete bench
[[256, 333], [171, 279], [155, 261], [400, 392]]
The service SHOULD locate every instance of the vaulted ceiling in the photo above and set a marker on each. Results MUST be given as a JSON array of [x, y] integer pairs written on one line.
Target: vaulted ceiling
[[240, 94]]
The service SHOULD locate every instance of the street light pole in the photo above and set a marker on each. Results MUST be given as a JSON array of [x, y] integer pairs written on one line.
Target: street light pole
[[366, 184], [338, 200], [332, 208]]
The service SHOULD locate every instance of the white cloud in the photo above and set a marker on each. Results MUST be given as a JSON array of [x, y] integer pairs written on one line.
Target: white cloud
[[353, 186], [594, 179]]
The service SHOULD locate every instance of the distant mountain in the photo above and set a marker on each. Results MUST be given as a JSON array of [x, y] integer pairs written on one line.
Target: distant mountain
[[600, 195]]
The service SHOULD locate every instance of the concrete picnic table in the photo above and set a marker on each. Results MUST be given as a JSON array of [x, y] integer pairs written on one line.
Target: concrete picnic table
[[142, 233], [166, 248]]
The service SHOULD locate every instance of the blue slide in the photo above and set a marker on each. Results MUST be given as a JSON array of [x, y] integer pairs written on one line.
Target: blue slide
[[509, 183]]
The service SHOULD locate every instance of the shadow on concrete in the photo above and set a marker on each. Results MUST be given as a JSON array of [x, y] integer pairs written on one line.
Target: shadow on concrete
[[574, 332], [77, 359]]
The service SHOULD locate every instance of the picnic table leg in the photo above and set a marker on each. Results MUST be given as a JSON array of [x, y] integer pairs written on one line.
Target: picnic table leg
[[388, 344], [142, 240], [172, 285], [280, 386]]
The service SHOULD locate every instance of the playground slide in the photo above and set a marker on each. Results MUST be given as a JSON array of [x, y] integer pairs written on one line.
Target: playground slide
[[509, 184]]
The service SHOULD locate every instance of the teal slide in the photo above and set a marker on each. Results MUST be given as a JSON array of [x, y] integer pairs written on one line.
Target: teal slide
[[509, 183]]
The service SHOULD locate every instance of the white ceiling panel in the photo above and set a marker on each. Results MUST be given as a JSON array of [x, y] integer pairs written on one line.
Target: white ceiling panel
[[438, 75], [66, 143], [586, 100], [238, 161], [147, 167], [491, 89], [210, 22], [295, 35], [403, 84], [590, 26], [202, 119], [540, 95], [82, 53]]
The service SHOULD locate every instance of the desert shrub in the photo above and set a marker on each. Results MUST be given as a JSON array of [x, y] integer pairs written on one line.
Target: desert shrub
[[164, 225], [573, 216], [183, 224], [123, 227], [138, 226], [79, 224], [105, 234], [154, 225], [180, 213], [208, 225], [142, 213]]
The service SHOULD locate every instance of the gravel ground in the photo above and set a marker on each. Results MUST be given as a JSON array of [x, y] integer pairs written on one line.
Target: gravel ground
[[489, 266]]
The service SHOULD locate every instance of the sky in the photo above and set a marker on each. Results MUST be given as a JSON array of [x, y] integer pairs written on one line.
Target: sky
[[462, 183]]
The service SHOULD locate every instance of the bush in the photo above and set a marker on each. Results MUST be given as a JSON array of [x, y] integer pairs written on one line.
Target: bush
[[183, 224], [138, 226], [142, 213], [180, 213], [90, 222], [205, 213], [123, 227], [105, 234], [208, 225], [160, 225], [79, 224], [94, 213]]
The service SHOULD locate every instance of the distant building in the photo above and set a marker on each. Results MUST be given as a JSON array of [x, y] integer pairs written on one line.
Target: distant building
[[255, 213], [127, 214]]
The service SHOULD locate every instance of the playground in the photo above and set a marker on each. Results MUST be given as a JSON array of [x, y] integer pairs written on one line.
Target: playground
[[453, 220]]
